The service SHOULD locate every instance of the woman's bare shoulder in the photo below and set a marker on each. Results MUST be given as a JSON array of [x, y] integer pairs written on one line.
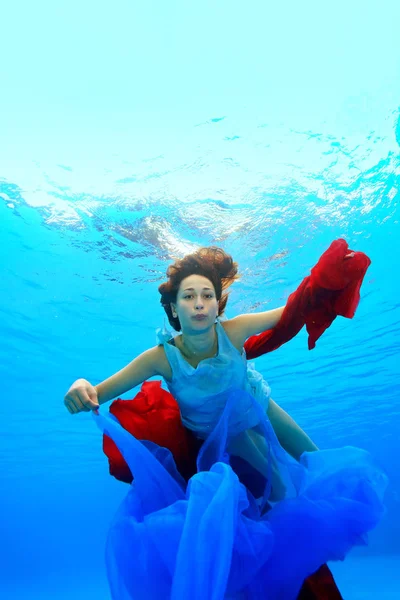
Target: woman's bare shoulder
[[234, 332]]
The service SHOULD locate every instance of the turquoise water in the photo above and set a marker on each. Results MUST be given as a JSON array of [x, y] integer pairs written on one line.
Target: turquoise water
[[133, 134]]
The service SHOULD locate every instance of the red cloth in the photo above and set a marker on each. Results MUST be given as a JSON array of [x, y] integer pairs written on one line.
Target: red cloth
[[320, 586], [152, 415], [332, 289]]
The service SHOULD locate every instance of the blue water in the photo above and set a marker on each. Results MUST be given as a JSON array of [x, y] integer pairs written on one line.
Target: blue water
[[132, 134]]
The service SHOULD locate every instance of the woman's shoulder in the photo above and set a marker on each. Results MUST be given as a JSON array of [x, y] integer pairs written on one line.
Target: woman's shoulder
[[234, 332]]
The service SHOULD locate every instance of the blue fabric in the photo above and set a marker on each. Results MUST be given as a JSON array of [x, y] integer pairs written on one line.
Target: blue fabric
[[212, 538]]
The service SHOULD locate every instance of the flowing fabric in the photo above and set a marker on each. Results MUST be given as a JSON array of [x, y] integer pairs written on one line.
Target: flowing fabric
[[152, 415], [210, 538], [332, 289]]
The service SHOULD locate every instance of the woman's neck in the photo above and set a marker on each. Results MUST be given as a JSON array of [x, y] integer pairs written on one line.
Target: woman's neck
[[199, 345]]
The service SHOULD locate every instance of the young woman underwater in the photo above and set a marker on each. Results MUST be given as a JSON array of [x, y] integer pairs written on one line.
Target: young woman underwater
[[264, 509]]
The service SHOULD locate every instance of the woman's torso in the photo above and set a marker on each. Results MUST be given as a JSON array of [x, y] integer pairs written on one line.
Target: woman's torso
[[203, 386]]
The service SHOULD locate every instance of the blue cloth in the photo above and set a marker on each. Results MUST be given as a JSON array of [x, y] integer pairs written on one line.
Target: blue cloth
[[215, 538]]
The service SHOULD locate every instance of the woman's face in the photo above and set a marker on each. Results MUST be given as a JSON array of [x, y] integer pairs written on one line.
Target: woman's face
[[196, 303]]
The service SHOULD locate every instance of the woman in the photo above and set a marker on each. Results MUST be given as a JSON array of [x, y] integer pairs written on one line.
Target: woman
[[216, 537]]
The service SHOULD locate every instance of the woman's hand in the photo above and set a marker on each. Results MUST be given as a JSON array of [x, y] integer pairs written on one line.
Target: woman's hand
[[81, 397]]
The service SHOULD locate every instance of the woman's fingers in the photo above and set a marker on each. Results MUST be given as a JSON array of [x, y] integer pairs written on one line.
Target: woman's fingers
[[81, 397]]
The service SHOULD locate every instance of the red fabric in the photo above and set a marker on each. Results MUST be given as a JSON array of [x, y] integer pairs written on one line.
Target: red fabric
[[153, 415], [332, 289], [320, 586]]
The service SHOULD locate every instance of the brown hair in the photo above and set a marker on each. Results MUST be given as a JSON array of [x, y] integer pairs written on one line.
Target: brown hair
[[211, 262]]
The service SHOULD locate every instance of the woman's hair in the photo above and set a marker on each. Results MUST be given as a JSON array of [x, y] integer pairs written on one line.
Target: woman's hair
[[211, 262]]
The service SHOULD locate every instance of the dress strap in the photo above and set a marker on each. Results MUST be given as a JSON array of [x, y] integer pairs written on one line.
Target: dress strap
[[163, 334]]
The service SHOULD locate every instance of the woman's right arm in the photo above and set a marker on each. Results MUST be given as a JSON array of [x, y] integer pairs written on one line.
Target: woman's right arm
[[83, 396], [143, 367]]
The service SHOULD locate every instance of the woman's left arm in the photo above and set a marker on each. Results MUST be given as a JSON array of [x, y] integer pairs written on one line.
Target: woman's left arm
[[291, 437], [255, 323]]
